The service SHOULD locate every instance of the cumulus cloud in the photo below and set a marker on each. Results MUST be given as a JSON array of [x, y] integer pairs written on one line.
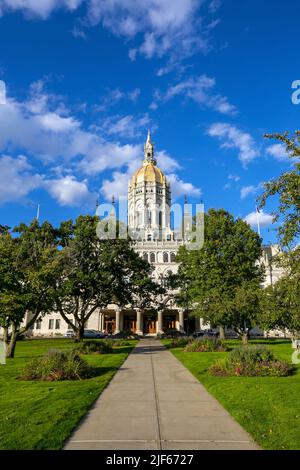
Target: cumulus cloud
[[46, 131], [198, 89], [278, 151], [247, 190], [232, 137], [264, 219], [17, 178], [41, 128], [70, 192], [180, 187]]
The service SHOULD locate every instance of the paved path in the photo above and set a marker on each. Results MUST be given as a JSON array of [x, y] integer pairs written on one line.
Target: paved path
[[154, 402]]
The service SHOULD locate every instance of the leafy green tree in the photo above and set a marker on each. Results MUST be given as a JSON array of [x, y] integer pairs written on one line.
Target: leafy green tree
[[28, 268], [281, 305], [287, 188], [244, 309], [95, 272], [228, 260]]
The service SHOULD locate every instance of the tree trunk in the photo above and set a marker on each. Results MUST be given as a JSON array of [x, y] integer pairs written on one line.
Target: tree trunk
[[79, 333], [11, 343], [245, 338], [221, 332]]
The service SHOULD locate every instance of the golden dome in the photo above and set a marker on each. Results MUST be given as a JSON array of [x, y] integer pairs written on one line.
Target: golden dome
[[149, 172]]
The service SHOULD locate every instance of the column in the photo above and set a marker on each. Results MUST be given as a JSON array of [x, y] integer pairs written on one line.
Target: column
[[181, 319], [118, 316], [121, 321], [139, 322], [159, 322]]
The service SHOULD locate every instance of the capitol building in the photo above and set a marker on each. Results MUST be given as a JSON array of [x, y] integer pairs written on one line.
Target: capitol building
[[155, 240]]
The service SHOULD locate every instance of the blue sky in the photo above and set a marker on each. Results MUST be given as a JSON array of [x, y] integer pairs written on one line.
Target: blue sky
[[85, 79]]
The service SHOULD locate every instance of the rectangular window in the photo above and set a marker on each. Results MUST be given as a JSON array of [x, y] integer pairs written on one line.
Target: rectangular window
[[51, 324], [38, 325], [57, 324]]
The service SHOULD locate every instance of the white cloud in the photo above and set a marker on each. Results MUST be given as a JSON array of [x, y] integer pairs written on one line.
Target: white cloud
[[2, 92], [234, 178], [247, 190], [198, 89], [115, 95], [264, 219], [180, 187], [61, 143], [39, 8], [55, 123], [278, 151], [70, 192], [17, 178], [35, 128], [117, 187], [233, 137], [127, 126], [177, 28]]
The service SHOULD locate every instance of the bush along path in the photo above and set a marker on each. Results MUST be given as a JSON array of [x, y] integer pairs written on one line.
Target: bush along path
[[40, 414]]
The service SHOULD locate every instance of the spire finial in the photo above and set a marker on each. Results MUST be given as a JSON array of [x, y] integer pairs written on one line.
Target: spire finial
[[148, 137], [149, 150]]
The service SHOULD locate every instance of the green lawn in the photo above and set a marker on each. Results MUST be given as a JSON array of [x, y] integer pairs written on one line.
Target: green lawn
[[41, 415], [267, 407]]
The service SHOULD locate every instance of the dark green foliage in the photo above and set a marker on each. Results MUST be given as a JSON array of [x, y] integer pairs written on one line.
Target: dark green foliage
[[221, 281], [251, 361], [287, 188], [178, 343], [94, 347], [57, 365], [206, 345]]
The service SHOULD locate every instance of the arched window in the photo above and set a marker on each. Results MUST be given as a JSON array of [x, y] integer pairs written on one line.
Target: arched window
[[152, 257], [166, 257], [145, 256], [172, 257]]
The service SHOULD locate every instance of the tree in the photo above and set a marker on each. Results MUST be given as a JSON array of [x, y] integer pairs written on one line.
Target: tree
[[95, 272], [281, 305], [228, 261], [28, 268], [245, 308], [287, 188]]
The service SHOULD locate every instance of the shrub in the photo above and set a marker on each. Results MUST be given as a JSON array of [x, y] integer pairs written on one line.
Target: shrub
[[251, 354], [118, 342], [206, 345], [178, 343], [173, 333], [94, 347], [251, 361], [126, 334], [57, 365]]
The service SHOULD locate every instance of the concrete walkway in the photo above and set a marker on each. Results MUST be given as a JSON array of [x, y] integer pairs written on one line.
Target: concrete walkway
[[154, 402]]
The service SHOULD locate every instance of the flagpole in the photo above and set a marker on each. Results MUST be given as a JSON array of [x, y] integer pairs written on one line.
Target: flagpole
[[38, 213]]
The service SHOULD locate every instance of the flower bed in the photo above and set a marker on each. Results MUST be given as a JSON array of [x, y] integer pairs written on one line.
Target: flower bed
[[251, 361]]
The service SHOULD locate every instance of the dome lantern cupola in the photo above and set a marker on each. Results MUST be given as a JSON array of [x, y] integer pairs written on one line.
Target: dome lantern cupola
[[149, 151]]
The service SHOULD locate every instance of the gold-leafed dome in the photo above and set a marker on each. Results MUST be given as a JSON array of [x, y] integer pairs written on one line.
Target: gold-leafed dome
[[149, 172]]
